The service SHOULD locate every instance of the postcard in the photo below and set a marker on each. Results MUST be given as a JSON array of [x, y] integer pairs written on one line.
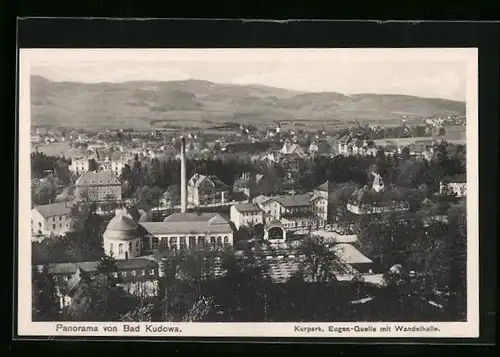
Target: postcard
[[248, 192]]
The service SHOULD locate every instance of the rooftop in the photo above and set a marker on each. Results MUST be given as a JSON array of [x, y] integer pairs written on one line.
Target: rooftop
[[246, 207], [97, 178], [326, 187], [54, 209], [91, 267], [190, 223], [292, 200], [348, 254]]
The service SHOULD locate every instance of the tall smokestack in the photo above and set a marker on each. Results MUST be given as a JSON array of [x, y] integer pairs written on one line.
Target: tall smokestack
[[183, 176]]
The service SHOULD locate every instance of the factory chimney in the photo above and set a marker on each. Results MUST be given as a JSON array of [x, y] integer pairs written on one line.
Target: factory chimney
[[183, 176]]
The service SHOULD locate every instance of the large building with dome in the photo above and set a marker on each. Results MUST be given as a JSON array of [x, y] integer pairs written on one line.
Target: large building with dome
[[127, 237]]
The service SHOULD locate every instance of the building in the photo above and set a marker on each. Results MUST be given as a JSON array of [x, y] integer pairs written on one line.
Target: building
[[54, 218], [323, 196], [123, 236], [377, 199], [254, 184], [79, 165], [280, 206], [98, 186], [204, 190], [138, 277], [246, 214], [187, 231], [456, 185]]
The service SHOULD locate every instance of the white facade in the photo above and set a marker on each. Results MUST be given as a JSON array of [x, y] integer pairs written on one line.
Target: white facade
[[123, 249], [373, 209], [246, 216], [187, 240], [55, 224], [319, 205], [117, 167], [79, 165]]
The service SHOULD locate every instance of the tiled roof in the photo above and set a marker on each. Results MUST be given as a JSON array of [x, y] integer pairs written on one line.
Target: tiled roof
[[190, 223], [348, 254], [292, 201], [246, 207], [97, 178], [54, 209], [326, 187], [197, 179], [91, 267]]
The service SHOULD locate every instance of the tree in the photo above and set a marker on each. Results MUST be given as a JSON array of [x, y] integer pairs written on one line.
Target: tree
[[320, 263], [45, 302], [93, 166]]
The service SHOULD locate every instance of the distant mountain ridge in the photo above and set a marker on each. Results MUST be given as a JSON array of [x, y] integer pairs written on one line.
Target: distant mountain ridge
[[137, 104]]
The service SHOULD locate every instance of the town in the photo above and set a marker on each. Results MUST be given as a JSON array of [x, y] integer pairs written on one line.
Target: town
[[363, 223]]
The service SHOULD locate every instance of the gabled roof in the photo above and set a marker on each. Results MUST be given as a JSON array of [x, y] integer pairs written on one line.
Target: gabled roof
[[54, 209], [190, 223], [196, 180], [292, 200], [97, 178], [326, 187], [348, 254], [246, 207]]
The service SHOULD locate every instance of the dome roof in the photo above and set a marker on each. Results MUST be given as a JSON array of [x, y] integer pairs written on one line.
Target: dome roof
[[121, 227]]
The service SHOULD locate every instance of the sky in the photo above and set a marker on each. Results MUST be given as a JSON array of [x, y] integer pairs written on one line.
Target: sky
[[424, 76]]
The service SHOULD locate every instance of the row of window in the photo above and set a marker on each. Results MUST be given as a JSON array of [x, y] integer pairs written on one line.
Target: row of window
[[130, 248], [124, 274]]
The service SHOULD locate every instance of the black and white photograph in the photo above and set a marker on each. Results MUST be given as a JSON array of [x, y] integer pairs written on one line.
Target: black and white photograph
[[248, 192]]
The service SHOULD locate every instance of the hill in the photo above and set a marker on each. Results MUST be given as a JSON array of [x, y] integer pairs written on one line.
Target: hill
[[140, 104]]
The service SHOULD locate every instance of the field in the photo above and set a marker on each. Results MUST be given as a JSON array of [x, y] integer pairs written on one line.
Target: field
[[54, 149], [454, 134]]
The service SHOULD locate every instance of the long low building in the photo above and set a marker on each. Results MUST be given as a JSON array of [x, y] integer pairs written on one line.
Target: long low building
[[137, 277], [128, 237]]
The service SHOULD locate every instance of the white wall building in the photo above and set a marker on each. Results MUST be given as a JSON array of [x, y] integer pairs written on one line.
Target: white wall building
[[79, 165], [246, 214], [50, 219]]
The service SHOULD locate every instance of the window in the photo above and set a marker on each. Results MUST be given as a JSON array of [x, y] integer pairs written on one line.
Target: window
[[226, 240], [173, 240], [137, 247], [201, 241], [183, 242], [219, 240], [60, 218], [212, 240], [53, 226], [192, 241], [111, 247], [53, 219], [60, 225], [39, 224], [120, 248]]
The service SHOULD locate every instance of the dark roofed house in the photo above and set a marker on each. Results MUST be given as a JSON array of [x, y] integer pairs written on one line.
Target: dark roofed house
[[254, 184], [98, 186]]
